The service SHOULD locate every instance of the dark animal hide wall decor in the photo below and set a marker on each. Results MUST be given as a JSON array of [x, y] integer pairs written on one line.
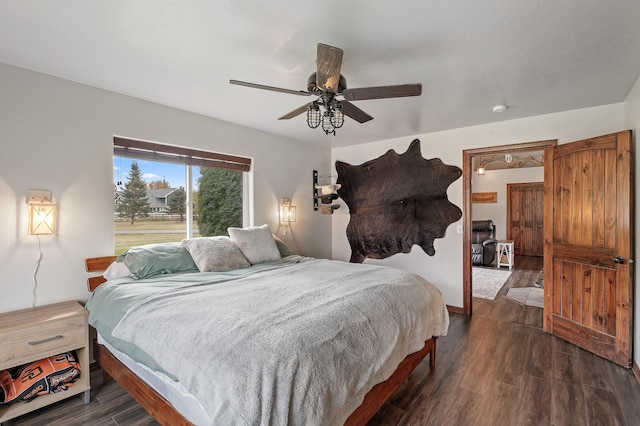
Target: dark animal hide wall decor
[[396, 201]]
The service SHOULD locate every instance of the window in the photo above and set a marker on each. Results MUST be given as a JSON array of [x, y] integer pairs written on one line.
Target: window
[[165, 193]]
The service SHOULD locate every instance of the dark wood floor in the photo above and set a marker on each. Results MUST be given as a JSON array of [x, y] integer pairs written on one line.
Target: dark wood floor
[[496, 367]]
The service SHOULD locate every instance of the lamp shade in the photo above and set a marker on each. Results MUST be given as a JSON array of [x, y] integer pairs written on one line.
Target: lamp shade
[[291, 214], [313, 115], [287, 212], [42, 219]]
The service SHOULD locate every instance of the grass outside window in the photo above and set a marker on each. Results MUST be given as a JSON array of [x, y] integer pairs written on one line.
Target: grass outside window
[[147, 232]]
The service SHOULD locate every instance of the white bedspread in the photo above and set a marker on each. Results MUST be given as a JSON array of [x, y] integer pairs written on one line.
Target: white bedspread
[[300, 345]]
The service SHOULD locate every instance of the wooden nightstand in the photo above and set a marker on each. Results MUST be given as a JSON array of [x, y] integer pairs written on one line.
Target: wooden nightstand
[[36, 333]]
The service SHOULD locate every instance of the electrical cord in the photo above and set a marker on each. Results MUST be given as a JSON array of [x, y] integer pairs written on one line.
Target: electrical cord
[[35, 273]]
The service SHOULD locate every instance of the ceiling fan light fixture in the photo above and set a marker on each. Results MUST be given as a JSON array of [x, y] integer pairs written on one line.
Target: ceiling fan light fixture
[[327, 125], [326, 83], [313, 115], [337, 116]]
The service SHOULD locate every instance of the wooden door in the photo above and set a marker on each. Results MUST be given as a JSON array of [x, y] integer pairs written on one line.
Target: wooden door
[[525, 217], [588, 251], [538, 223]]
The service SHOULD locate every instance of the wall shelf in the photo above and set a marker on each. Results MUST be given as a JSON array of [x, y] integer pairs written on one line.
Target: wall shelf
[[320, 195], [315, 190]]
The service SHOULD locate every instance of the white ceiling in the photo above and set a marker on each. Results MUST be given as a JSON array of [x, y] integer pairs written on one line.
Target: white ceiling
[[536, 56]]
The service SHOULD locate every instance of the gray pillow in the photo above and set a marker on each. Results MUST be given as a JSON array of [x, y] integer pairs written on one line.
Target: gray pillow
[[155, 259], [215, 254], [256, 243]]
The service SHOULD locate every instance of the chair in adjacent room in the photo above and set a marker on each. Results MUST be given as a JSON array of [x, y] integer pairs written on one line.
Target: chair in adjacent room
[[483, 242]]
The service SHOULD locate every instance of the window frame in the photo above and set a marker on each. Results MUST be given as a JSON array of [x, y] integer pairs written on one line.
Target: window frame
[[152, 151]]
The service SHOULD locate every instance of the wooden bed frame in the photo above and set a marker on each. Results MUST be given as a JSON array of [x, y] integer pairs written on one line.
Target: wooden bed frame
[[164, 413]]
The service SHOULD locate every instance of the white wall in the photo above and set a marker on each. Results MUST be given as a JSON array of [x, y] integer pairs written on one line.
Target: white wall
[[632, 121], [444, 269], [496, 181], [58, 135]]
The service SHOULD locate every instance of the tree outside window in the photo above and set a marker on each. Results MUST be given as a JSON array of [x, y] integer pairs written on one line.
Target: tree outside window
[[178, 203], [133, 202], [219, 201]]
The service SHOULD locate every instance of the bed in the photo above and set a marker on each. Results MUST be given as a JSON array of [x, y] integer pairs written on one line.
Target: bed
[[286, 340]]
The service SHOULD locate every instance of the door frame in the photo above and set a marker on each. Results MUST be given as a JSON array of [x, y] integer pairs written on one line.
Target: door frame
[[467, 174]]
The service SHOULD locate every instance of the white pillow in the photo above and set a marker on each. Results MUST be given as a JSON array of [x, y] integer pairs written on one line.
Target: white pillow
[[116, 270], [215, 254], [256, 243]]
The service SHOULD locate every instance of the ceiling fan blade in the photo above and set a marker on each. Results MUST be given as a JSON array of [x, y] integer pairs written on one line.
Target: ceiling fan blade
[[381, 92], [354, 112], [329, 62], [295, 112], [274, 89]]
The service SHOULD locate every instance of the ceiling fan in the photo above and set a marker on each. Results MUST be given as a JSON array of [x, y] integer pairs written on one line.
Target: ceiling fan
[[327, 84]]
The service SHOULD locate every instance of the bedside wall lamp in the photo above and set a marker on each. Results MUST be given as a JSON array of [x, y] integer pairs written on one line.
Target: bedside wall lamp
[[287, 212], [42, 218], [42, 221]]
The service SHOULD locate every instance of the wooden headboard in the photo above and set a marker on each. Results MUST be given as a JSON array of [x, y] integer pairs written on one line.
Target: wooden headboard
[[97, 264]]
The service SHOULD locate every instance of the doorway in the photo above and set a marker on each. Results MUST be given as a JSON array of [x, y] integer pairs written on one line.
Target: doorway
[[467, 174]]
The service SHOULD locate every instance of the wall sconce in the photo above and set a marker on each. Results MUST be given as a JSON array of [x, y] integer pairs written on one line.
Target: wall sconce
[[42, 213], [287, 212], [481, 170], [42, 219]]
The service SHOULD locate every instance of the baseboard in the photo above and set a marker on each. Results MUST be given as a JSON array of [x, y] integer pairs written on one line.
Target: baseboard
[[636, 371], [455, 309]]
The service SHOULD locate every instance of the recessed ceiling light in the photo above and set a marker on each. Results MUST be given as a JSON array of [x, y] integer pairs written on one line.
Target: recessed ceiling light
[[499, 108]]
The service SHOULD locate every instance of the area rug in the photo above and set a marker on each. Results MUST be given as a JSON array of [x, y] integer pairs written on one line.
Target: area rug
[[530, 296], [488, 282]]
